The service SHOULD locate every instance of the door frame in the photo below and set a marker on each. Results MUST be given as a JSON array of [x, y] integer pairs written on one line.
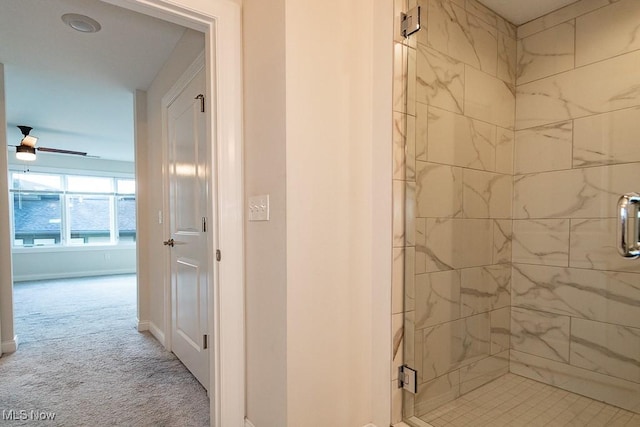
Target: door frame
[[220, 21]]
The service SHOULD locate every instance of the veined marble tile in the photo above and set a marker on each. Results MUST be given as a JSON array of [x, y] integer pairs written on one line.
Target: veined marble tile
[[483, 371], [421, 246], [578, 193], [486, 194], [422, 121], [500, 329], [505, 143], [410, 213], [541, 334], [607, 32], [397, 325], [440, 80], [608, 349], [564, 14], [409, 341], [437, 392], [485, 288], [605, 296], [400, 77], [481, 11], [488, 98], [451, 345], [397, 281], [615, 391], [409, 279], [437, 298], [399, 204], [462, 36], [439, 191], [573, 94], [545, 53], [593, 245], [506, 27], [507, 58], [458, 243], [460, 141], [541, 242], [412, 69], [399, 145], [607, 138], [502, 241], [544, 148]]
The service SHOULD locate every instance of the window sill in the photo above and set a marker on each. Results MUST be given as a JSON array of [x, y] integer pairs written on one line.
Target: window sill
[[78, 248]]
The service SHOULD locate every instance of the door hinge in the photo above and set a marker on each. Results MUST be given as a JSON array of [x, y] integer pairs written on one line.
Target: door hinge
[[201, 98], [205, 341], [204, 224], [408, 379], [218, 255], [410, 22]]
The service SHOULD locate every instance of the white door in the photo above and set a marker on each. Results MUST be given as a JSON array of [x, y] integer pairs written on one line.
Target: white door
[[187, 167]]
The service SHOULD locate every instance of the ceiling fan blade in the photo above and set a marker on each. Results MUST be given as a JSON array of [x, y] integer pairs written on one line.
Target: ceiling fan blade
[[60, 151]]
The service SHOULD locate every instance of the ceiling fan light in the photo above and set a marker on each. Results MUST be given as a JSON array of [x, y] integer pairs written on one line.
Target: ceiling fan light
[[24, 152], [29, 140]]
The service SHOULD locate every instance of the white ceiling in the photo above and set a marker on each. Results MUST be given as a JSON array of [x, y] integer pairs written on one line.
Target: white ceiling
[[76, 90], [520, 11]]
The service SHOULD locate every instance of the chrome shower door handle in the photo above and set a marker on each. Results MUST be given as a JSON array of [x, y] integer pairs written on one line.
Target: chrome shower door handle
[[628, 225]]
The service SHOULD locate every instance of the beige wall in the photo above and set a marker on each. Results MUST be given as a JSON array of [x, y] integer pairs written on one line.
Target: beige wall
[[329, 87], [186, 51], [309, 143], [265, 242]]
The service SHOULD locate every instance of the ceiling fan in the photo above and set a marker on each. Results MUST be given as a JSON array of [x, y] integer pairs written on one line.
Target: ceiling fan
[[27, 148]]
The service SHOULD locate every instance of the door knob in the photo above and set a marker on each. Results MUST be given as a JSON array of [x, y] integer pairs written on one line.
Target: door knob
[[169, 242]]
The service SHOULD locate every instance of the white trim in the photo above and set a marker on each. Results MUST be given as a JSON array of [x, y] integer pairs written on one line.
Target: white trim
[[248, 423], [9, 346], [157, 333], [143, 325], [182, 82], [220, 20]]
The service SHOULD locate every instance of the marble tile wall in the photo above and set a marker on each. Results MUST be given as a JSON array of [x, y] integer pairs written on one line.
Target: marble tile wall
[[459, 139], [575, 302]]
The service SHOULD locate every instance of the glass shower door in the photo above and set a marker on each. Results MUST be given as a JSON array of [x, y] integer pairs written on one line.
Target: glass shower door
[[515, 145]]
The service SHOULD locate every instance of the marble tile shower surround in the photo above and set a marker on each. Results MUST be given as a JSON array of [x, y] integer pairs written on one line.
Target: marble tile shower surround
[[517, 144], [456, 326], [575, 301]]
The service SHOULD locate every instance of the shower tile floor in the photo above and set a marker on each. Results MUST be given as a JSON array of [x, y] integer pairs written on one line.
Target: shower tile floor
[[515, 401]]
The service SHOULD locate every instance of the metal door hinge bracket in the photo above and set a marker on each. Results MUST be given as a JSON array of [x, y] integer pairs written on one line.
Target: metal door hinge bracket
[[218, 255], [410, 22], [408, 379], [201, 98]]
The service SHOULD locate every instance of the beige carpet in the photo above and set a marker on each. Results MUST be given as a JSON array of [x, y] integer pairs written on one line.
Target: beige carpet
[[81, 358]]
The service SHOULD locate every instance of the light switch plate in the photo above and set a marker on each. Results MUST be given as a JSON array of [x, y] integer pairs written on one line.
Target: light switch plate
[[259, 208]]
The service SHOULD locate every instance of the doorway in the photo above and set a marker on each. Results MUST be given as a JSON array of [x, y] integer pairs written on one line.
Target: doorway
[[224, 72]]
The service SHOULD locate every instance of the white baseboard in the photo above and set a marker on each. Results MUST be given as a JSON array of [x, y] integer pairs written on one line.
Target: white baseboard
[[10, 346], [143, 325], [156, 332]]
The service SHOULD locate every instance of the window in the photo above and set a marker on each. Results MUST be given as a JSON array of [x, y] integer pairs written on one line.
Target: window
[[54, 209]]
